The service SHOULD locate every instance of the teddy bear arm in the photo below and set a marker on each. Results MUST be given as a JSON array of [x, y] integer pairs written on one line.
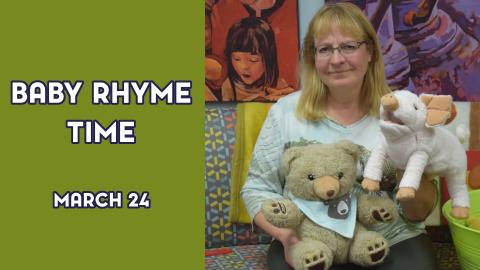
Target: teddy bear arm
[[282, 213], [373, 209]]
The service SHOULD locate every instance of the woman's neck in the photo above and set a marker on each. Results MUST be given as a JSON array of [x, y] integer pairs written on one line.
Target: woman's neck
[[344, 109]]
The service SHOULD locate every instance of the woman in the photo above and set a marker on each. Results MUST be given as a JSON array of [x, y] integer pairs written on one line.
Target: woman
[[343, 81]]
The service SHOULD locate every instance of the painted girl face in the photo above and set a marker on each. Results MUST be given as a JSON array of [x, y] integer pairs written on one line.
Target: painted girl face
[[342, 70], [249, 67]]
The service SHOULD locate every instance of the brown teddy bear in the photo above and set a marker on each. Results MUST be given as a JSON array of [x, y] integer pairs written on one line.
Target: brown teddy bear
[[327, 215]]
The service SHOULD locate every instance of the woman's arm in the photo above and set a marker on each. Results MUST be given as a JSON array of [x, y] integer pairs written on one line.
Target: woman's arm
[[287, 237], [264, 180]]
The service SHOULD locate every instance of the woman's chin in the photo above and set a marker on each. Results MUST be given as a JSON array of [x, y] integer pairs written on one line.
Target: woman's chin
[[341, 83]]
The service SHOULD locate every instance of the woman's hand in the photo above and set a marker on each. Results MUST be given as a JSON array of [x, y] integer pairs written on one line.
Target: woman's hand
[[288, 238]]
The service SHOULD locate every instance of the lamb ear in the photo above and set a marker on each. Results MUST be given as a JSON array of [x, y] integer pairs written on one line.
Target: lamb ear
[[426, 98], [453, 114], [439, 109], [289, 156], [349, 147]]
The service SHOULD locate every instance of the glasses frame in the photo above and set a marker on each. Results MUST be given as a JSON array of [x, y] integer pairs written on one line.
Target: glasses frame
[[339, 48]]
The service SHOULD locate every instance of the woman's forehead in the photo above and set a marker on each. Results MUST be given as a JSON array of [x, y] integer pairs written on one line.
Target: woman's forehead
[[325, 28], [334, 34]]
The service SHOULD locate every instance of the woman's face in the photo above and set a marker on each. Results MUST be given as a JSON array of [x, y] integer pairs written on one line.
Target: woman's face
[[249, 67], [341, 70]]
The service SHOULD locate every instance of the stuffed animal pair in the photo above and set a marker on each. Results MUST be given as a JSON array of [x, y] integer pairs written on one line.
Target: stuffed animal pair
[[414, 141], [328, 217]]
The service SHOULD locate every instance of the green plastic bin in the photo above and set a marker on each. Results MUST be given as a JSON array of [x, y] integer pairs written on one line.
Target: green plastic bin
[[466, 240]]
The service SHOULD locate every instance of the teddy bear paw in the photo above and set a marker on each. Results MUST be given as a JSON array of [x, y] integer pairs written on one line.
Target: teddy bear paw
[[277, 208], [314, 260], [377, 251], [405, 193], [282, 213], [369, 249], [382, 215]]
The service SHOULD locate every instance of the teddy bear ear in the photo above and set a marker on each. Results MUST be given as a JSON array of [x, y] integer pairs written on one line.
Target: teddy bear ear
[[349, 147], [289, 156], [440, 109]]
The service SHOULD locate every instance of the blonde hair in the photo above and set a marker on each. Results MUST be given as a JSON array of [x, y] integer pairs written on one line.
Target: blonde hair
[[350, 20]]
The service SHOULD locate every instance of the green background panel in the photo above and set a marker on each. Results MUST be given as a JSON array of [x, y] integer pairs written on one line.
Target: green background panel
[[101, 40]]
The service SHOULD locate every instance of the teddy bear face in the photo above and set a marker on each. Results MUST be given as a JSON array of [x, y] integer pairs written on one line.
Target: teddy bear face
[[320, 172]]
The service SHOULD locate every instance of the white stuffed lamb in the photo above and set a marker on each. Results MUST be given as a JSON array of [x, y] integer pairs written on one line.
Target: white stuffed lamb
[[412, 140]]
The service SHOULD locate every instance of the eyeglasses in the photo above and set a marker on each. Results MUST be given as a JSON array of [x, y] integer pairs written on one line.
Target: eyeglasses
[[345, 48]]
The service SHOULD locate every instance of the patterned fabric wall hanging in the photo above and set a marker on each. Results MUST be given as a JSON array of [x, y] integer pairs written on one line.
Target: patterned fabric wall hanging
[[219, 141]]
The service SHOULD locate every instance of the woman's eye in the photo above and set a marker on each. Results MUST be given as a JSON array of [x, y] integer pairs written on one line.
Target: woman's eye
[[254, 60], [323, 49], [348, 47], [340, 175], [311, 177]]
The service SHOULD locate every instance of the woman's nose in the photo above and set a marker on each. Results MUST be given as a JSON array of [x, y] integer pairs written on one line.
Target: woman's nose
[[337, 57]]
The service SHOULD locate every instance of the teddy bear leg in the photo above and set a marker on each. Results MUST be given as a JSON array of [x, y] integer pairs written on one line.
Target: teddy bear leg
[[310, 254], [368, 248]]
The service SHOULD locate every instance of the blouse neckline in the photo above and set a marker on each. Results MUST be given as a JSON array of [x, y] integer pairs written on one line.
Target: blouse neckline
[[334, 124]]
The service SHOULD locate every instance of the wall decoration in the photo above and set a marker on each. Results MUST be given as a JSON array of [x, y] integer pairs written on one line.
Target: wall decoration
[[251, 49], [429, 46]]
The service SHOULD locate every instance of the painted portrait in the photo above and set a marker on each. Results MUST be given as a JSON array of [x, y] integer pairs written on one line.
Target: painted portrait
[[251, 50]]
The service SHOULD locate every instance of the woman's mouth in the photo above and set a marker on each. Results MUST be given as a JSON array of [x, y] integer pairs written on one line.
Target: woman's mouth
[[338, 71]]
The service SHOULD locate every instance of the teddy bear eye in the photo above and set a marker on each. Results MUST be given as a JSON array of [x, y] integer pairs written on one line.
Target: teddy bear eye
[[340, 175], [415, 106], [311, 177]]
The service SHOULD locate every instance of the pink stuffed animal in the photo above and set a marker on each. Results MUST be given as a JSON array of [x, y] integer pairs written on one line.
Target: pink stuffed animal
[[415, 143]]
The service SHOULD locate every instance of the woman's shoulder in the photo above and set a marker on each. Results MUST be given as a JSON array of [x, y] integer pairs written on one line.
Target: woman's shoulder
[[284, 109], [288, 102]]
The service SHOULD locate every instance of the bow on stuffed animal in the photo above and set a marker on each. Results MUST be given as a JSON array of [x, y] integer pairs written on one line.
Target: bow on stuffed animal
[[415, 142]]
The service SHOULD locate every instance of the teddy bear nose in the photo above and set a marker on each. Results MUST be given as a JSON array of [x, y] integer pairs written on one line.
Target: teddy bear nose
[[326, 187]]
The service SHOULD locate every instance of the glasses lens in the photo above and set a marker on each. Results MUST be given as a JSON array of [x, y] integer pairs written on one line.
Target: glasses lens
[[349, 47], [345, 48], [324, 50]]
